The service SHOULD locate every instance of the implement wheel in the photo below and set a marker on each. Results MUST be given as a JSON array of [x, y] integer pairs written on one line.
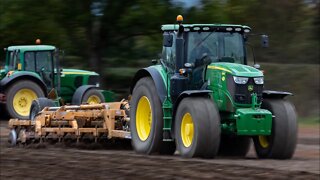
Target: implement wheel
[[20, 96], [197, 128], [38, 105], [146, 117], [13, 136], [282, 142]]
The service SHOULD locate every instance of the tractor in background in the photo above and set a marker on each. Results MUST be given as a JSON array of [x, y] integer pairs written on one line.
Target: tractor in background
[[33, 71], [202, 99]]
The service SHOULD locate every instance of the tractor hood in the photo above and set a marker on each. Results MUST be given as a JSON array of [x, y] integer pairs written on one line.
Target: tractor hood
[[236, 69], [77, 71]]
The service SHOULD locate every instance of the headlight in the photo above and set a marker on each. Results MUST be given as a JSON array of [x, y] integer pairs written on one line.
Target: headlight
[[258, 80], [240, 80], [97, 84]]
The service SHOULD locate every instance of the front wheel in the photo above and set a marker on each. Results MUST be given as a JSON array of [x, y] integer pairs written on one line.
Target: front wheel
[[146, 117], [282, 142], [197, 128], [20, 96]]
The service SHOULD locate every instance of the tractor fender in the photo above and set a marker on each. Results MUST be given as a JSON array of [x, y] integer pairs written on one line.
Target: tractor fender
[[268, 94], [77, 96], [184, 94], [190, 93], [157, 79], [9, 80]]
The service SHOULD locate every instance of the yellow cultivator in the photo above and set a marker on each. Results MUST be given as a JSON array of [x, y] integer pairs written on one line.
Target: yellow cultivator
[[98, 121]]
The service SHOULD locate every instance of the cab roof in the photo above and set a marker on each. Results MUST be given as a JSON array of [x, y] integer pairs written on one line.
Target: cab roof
[[208, 27], [32, 48]]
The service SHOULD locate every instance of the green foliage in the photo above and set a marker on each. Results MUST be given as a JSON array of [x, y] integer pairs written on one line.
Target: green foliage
[[126, 33]]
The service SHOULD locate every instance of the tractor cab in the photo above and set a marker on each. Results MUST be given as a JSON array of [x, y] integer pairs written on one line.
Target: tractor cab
[[39, 59], [189, 49]]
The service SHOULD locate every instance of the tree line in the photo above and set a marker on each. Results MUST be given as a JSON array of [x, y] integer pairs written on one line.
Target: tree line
[[127, 32]]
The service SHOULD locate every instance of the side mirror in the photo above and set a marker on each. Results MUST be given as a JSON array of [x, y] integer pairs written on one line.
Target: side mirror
[[167, 40], [264, 41]]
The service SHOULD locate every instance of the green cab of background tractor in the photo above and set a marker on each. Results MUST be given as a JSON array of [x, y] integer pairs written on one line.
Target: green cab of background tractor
[[204, 99], [33, 71]]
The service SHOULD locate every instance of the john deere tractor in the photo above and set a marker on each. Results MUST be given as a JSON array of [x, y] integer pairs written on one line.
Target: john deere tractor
[[202, 99], [33, 71]]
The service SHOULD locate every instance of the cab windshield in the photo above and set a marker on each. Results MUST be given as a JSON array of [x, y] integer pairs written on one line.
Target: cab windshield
[[218, 46]]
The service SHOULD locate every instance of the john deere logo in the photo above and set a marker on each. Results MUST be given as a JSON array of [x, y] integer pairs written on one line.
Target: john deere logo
[[250, 88]]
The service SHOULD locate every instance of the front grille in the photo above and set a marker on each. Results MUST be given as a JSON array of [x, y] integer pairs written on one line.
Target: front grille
[[240, 92], [93, 80]]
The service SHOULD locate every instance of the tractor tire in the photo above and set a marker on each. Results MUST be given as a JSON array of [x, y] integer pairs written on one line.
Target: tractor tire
[[197, 128], [38, 105], [282, 142], [90, 96], [13, 137], [234, 145], [20, 96], [93, 96], [146, 118]]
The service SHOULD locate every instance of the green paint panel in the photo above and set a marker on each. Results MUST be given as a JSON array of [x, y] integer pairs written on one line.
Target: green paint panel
[[108, 95], [253, 121], [236, 69]]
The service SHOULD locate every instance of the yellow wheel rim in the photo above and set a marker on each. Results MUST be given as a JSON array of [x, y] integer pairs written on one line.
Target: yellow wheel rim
[[143, 118], [263, 140], [187, 130], [22, 101], [93, 99]]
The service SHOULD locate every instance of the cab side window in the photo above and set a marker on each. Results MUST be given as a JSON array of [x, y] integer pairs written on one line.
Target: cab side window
[[29, 61], [169, 54]]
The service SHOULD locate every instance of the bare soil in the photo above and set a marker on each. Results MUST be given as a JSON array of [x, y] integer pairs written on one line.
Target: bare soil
[[115, 162]]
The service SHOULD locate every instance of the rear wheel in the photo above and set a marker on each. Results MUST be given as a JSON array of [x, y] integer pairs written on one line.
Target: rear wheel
[[146, 117], [93, 96], [234, 145], [197, 128], [90, 96], [38, 105], [281, 143], [20, 96]]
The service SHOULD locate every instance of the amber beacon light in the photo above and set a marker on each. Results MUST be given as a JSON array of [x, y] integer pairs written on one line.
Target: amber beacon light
[[179, 19]]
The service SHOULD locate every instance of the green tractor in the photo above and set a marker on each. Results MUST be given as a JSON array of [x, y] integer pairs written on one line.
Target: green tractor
[[204, 100], [33, 71]]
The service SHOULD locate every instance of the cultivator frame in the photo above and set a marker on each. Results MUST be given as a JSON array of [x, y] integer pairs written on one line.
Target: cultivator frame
[[108, 120]]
